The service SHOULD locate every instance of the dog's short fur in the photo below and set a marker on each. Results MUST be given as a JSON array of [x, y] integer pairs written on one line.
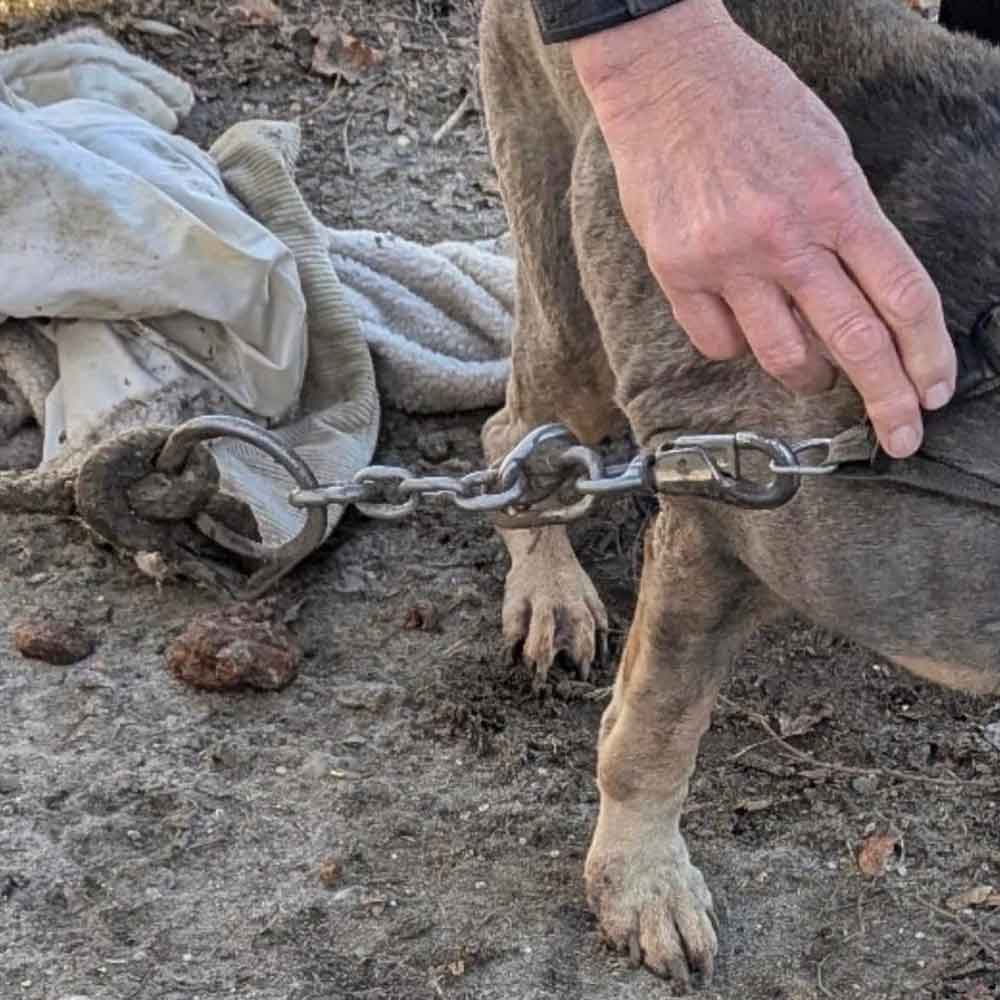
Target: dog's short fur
[[906, 573]]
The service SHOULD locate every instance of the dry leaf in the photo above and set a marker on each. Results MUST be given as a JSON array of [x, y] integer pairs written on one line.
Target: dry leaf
[[876, 853], [803, 723], [339, 53], [978, 896], [258, 11], [457, 968]]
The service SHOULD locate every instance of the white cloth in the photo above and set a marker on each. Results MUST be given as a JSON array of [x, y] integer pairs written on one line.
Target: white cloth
[[154, 281]]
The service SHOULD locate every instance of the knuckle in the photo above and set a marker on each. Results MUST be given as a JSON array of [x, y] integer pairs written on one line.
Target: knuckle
[[704, 244], [842, 194], [777, 231], [665, 259], [858, 339], [910, 297], [784, 359], [771, 222], [800, 269]]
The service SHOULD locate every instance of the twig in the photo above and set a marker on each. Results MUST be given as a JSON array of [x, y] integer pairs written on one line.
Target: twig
[[955, 921], [468, 103], [819, 979], [751, 747], [334, 90], [347, 145], [951, 968], [821, 986], [806, 758]]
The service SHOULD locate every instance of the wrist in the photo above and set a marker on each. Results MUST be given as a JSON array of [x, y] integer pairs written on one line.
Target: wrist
[[655, 48]]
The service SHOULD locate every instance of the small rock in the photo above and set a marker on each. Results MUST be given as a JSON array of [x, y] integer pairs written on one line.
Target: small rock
[[351, 895], [317, 765], [754, 805], [147, 26], [865, 784], [235, 647], [348, 579], [53, 642], [467, 595], [329, 872], [422, 616], [435, 447], [153, 565]]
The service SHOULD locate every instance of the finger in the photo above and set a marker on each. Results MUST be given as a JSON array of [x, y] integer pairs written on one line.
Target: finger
[[902, 292], [860, 344], [709, 324], [777, 338]]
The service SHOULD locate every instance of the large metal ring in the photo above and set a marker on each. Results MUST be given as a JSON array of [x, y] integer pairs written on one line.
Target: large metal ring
[[275, 562]]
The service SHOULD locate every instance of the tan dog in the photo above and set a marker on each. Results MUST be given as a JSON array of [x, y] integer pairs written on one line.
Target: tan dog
[[596, 347]]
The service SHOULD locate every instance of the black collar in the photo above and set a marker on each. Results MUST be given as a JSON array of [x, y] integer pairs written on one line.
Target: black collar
[[978, 356]]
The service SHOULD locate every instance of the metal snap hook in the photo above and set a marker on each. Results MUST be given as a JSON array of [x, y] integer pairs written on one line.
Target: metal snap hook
[[709, 465]]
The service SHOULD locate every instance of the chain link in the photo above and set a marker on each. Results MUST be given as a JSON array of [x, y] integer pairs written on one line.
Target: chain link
[[551, 478]]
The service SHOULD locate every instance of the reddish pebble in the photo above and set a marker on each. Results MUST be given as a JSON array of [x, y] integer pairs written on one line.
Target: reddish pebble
[[58, 643], [236, 647]]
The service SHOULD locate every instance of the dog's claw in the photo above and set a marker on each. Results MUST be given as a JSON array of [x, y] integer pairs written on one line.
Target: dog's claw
[[655, 907], [551, 614]]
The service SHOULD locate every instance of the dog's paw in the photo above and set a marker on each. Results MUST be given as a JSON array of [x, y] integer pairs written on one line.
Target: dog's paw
[[552, 610], [653, 905]]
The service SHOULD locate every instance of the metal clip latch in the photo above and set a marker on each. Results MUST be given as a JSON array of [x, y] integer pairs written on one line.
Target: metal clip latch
[[708, 465]]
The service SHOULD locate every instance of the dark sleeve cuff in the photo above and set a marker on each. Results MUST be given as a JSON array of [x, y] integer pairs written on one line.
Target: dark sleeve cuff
[[564, 20]]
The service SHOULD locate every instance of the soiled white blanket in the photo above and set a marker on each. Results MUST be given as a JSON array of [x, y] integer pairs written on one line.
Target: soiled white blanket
[[145, 280]]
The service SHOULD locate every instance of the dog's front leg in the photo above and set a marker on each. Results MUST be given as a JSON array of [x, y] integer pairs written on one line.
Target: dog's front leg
[[550, 605], [696, 609]]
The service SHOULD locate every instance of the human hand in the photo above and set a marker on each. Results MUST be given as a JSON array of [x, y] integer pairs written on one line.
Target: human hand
[[756, 219]]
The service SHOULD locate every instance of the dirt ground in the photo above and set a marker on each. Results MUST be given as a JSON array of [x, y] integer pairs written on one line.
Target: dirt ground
[[407, 820]]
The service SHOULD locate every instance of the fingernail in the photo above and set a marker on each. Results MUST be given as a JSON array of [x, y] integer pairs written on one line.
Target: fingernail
[[903, 441], [937, 395]]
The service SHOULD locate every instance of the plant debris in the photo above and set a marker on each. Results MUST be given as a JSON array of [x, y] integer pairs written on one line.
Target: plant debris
[[339, 53], [980, 895], [878, 852]]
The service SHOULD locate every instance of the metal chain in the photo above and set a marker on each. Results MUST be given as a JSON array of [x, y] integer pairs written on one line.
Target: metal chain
[[549, 477]]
